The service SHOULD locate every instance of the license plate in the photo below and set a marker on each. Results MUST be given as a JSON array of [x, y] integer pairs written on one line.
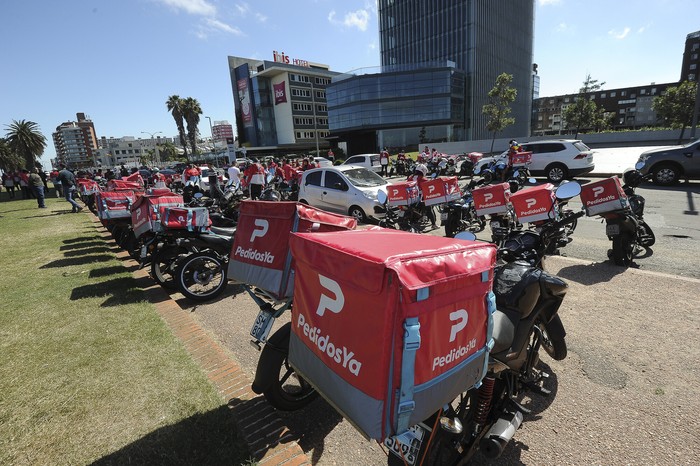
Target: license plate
[[410, 450], [443, 216], [261, 327], [612, 229], [400, 213], [495, 224]]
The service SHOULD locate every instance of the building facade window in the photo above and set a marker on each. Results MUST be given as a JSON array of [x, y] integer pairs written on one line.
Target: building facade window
[[302, 107], [296, 92]]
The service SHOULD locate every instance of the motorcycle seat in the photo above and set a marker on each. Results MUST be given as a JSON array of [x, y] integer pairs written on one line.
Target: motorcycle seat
[[224, 231]]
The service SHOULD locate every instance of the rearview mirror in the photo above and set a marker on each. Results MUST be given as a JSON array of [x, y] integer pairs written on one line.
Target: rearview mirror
[[568, 190], [465, 236], [382, 197], [198, 195]]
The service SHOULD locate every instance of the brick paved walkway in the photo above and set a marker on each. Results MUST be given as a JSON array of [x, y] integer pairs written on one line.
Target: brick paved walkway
[[269, 440]]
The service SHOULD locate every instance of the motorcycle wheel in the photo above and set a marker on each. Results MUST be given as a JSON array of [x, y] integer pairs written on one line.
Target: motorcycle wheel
[[553, 340], [164, 264], [201, 276], [289, 391], [622, 248], [452, 227], [648, 238]]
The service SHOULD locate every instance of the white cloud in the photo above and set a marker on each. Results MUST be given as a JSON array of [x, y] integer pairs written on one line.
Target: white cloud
[[193, 7], [548, 2], [218, 25], [260, 17], [562, 27], [243, 8], [358, 19], [619, 35]]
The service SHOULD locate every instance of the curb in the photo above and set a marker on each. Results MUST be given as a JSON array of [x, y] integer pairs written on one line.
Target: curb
[[269, 440]]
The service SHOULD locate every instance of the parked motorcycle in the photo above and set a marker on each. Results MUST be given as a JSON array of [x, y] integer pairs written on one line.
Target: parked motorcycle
[[486, 418], [626, 227], [201, 276], [412, 218], [460, 215]]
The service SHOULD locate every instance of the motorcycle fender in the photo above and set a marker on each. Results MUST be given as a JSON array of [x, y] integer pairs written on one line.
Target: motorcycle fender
[[265, 375]]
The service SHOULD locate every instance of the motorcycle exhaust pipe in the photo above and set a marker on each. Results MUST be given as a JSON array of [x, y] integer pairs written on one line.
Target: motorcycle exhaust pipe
[[496, 439]]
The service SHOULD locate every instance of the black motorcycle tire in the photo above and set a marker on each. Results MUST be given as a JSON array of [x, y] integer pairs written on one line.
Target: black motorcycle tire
[[649, 237], [278, 394], [197, 271], [452, 226], [553, 342], [622, 249], [164, 264]]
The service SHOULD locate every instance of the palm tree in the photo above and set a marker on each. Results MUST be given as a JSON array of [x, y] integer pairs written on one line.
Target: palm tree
[[25, 139], [9, 161], [191, 111], [175, 106]]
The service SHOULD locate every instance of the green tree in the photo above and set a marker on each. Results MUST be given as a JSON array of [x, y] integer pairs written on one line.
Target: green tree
[[175, 107], [584, 112], [26, 141], [676, 105], [190, 112], [9, 161], [498, 109], [168, 152]]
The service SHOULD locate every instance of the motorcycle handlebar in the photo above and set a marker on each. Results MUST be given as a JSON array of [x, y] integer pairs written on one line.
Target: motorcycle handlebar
[[567, 220]]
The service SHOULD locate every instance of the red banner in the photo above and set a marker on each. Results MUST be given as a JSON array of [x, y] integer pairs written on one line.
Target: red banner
[[280, 92]]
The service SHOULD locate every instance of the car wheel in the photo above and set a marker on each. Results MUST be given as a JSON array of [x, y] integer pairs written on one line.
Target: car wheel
[[358, 213], [556, 172], [666, 175]]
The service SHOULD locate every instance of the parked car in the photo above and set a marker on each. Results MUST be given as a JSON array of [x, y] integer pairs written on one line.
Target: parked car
[[669, 164], [557, 159], [322, 162], [204, 179], [345, 189], [369, 161]]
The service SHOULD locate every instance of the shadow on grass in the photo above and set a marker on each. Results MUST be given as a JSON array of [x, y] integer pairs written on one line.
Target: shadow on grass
[[107, 271], [89, 259], [202, 439], [88, 243], [85, 251], [80, 239], [119, 291], [50, 214]]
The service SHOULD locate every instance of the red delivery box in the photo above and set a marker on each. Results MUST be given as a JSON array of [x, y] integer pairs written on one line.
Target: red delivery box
[[403, 193], [87, 186], [260, 254], [492, 199], [535, 204], [603, 196], [520, 159], [114, 205], [121, 185], [184, 218], [452, 190], [144, 212], [389, 326], [440, 190]]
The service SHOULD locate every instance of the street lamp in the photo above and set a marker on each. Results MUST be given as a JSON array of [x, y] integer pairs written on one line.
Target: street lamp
[[213, 146], [153, 136]]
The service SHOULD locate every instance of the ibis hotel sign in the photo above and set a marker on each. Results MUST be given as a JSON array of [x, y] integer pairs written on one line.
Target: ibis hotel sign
[[280, 57]]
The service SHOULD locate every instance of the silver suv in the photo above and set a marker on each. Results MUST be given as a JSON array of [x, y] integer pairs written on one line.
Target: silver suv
[[668, 164]]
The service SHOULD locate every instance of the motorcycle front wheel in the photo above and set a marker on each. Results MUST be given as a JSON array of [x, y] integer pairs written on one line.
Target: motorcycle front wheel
[[288, 391], [202, 276], [164, 264], [553, 341], [622, 249]]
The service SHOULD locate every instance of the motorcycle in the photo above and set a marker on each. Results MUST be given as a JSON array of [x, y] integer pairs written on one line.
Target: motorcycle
[[485, 419], [460, 215], [412, 218], [626, 227], [202, 274]]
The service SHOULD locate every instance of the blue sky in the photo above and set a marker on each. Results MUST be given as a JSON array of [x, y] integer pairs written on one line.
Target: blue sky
[[118, 60]]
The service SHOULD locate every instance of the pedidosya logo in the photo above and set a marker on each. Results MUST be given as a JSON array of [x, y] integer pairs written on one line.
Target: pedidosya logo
[[460, 318], [333, 302], [597, 191], [260, 230]]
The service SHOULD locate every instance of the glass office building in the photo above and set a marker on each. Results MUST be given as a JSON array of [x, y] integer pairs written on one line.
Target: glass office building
[[399, 107], [480, 39]]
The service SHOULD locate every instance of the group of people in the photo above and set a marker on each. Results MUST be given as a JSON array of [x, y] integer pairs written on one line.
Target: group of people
[[33, 184], [254, 176]]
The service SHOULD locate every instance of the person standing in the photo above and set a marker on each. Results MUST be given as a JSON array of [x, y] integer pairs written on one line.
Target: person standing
[[69, 184], [384, 162], [234, 175], [24, 184], [331, 156], [37, 186], [56, 184], [9, 182], [255, 177]]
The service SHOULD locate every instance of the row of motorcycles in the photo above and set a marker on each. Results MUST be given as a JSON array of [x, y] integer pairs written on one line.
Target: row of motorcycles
[[483, 419]]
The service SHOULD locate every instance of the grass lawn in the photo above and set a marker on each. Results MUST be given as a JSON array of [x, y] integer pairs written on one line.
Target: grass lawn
[[88, 370]]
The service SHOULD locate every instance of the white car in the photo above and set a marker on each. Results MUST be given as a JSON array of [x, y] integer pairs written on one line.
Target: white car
[[345, 189], [557, 160], [369, 161], [322, 162], [204, 179]]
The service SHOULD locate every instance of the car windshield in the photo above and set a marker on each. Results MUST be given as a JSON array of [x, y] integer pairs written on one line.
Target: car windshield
[[363, 178]]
